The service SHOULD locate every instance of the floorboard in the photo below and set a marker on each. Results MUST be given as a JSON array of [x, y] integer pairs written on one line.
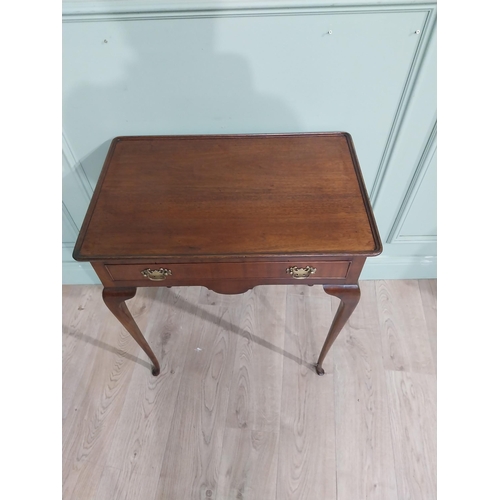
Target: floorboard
[[238, 411]]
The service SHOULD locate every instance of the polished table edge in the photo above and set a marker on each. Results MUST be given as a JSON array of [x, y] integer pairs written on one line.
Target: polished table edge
[[194, 258]]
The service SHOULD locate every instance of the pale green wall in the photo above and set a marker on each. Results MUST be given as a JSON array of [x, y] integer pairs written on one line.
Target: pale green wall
[[272, 70]]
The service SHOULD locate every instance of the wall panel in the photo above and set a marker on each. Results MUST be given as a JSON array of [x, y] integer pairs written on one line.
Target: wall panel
[[129, 72]]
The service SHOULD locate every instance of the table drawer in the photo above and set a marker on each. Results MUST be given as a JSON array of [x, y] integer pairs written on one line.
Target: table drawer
[[165, 272]]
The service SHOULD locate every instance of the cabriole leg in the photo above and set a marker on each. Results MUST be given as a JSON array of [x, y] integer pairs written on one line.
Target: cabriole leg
[[115, 299], [349, 296]]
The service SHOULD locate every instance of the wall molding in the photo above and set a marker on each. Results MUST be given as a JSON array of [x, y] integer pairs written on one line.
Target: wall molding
[[95, 10], [71, 222], [406, 96], [418, 176], [382, 267], [72, 206], [75, 165]]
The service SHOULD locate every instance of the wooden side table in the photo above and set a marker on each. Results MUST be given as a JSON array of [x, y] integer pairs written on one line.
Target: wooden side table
[[229, 212]]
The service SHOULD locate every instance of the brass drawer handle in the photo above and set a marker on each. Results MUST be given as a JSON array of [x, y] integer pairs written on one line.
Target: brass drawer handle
[[156, 275], [301, 273]]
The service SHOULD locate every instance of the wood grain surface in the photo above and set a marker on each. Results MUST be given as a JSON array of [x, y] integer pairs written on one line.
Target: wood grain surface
[[250, 446], [237, 411], [139, 450], [306, 459], [197, 431], [365, 462], [88, 436], [428, 293], [405, 339], [412, 411], [246, 195]]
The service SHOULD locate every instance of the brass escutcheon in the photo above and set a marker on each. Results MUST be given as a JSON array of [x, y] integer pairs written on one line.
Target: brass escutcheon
[[157, 274], [301, 273]]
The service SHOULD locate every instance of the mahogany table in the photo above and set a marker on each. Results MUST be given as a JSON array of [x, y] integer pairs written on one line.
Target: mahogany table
[[229, 212]]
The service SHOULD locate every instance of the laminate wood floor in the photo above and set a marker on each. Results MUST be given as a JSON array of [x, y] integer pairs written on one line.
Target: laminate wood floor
[[238, 411]]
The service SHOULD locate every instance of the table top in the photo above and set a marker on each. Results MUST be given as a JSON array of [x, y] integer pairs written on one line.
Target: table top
[[238, 196]]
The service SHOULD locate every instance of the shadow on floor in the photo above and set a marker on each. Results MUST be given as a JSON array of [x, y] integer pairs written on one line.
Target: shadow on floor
[[182, 304], [107, 347]]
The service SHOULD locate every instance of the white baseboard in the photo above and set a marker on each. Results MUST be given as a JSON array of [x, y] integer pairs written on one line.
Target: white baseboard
[[399, 268], [79, 273]]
